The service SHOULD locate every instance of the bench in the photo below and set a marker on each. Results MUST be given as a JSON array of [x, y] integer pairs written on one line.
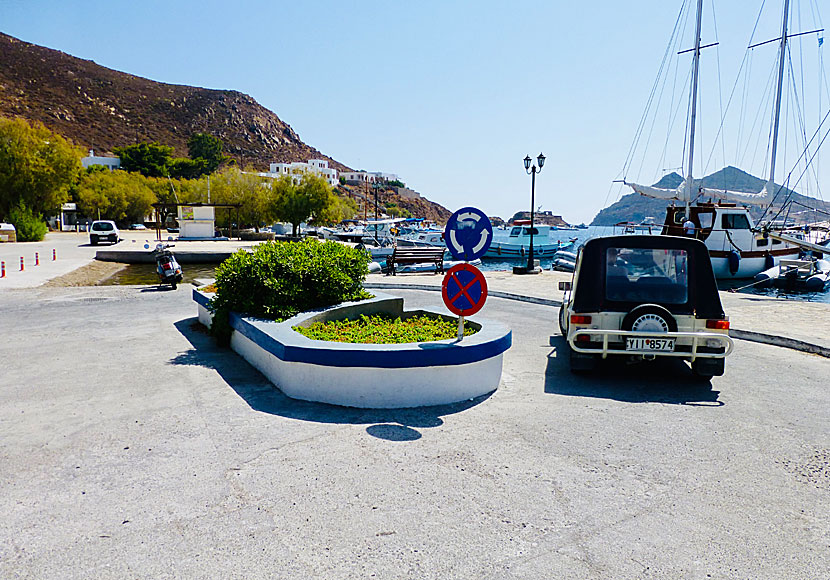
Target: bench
[[417, 255]]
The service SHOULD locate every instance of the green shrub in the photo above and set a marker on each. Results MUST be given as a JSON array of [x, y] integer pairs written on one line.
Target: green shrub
[[30, 227], [384, 329], [280, 279]]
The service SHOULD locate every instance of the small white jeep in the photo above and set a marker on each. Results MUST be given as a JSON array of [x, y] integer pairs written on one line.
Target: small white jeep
[[645, 297]]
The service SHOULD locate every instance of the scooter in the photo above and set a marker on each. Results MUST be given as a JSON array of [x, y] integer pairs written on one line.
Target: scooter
[[168, 269]]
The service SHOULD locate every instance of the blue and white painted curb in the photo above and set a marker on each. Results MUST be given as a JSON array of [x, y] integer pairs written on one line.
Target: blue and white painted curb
[[369, 375]]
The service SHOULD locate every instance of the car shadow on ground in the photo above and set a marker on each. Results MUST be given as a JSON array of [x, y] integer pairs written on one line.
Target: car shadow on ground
[[262, 396], [665, 380]]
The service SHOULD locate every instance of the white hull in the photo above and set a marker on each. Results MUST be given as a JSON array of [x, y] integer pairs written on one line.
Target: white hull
[[507, 250]]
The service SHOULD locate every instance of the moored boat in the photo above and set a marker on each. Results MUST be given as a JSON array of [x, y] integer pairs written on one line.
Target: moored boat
[[808, 275], [517, 243]]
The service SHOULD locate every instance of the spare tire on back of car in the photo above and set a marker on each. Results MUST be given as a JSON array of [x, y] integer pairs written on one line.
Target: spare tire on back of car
[[649, 318]]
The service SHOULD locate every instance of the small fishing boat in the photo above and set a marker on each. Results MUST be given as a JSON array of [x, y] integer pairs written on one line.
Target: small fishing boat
[[517, 242], [807, 275]]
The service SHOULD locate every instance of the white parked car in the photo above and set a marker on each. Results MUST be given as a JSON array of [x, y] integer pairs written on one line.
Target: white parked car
[[103, 231], [643, 297]]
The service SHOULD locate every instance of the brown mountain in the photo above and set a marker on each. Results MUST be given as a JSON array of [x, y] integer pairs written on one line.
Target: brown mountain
[[100, 108]]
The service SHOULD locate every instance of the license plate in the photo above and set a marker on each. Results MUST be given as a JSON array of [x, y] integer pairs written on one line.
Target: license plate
[[650, 344]]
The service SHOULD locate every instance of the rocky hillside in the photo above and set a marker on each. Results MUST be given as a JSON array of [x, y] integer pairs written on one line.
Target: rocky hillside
[[635, 208], [99, 108]]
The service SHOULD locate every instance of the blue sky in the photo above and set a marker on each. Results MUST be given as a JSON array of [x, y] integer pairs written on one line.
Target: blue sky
[[449, 95]]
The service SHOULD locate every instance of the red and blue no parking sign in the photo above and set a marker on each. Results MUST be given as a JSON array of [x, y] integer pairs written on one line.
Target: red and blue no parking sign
[[464, 289]]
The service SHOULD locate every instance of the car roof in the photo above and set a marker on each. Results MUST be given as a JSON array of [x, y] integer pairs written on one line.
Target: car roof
[[703, 297]]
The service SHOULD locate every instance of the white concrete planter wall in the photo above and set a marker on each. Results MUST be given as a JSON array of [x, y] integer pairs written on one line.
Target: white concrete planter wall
[[368, 375]]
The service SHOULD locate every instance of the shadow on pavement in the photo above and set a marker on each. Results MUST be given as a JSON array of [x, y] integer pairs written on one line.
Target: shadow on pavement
[[262, 396], [664, 380]]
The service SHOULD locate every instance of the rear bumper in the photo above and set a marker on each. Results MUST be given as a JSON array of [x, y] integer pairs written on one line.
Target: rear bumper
[[693, 345]]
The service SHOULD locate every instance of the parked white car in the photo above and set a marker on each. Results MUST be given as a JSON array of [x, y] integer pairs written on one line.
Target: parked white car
[[103, 231], [643, 297]]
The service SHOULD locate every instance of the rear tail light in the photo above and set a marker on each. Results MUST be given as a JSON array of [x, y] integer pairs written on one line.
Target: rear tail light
[[718, 324], [583, 338], [579, 319], [167, 266]]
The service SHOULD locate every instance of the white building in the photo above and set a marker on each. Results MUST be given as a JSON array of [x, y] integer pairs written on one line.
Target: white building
[[353, 177], [108, 162], [318, 167]]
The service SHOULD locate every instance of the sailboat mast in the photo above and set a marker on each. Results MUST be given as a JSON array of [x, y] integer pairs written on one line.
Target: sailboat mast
[[687, 194], [781, 56]]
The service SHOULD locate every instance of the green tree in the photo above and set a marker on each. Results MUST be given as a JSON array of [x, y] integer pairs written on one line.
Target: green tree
[[184, 168], [172, 191], [116, 195], [339, 209], [206, 148], [149, 159], [246, 188], [295, 202], [37, 167]]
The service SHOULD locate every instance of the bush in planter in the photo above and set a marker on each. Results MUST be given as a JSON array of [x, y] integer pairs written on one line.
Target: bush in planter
[[278, 280]]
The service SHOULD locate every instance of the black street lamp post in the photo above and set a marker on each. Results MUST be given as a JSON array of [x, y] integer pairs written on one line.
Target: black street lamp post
[[532, 170]]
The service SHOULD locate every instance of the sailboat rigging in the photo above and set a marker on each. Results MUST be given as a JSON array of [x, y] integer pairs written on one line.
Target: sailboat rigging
[[737, 247]]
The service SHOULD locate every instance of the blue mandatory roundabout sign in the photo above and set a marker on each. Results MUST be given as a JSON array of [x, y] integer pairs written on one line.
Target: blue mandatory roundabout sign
[[468, 234], [464, 289]]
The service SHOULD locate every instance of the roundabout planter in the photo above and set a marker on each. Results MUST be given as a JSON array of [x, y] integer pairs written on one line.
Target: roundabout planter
[[368, 375]]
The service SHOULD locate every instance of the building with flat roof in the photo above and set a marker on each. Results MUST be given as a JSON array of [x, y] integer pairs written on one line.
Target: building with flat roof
[[296, 169], [108, 162], [360, 177]]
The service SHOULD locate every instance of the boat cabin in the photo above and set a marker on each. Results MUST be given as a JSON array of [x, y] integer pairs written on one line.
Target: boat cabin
[[523, 230]]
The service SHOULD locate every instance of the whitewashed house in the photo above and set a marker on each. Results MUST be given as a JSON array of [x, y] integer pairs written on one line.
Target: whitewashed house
[[318, 167], [360, 177]]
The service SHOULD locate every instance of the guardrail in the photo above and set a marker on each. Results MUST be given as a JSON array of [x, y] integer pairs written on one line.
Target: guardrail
[[697, 338]]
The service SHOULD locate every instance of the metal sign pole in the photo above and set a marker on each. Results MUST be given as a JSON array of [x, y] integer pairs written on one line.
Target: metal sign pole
[[460, 327]]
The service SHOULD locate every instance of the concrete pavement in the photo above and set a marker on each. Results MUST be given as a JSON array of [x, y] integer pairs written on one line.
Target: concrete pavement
[[132, 447]]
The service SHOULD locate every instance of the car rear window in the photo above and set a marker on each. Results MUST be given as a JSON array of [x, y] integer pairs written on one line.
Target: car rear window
[[646, 275], [102, 227]]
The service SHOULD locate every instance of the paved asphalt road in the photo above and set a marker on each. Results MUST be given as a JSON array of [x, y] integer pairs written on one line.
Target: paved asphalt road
[[132, 447]]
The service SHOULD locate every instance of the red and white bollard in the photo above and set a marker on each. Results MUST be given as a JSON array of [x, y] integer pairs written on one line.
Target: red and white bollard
[[2, 269], [21, 263], [37, 259], [54, 256]]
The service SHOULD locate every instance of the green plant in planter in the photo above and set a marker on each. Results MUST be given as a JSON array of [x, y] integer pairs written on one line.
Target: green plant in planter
[[385, 329], [280, 279]]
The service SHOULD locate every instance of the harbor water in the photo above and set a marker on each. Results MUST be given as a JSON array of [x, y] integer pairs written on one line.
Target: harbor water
[[144, 274]]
